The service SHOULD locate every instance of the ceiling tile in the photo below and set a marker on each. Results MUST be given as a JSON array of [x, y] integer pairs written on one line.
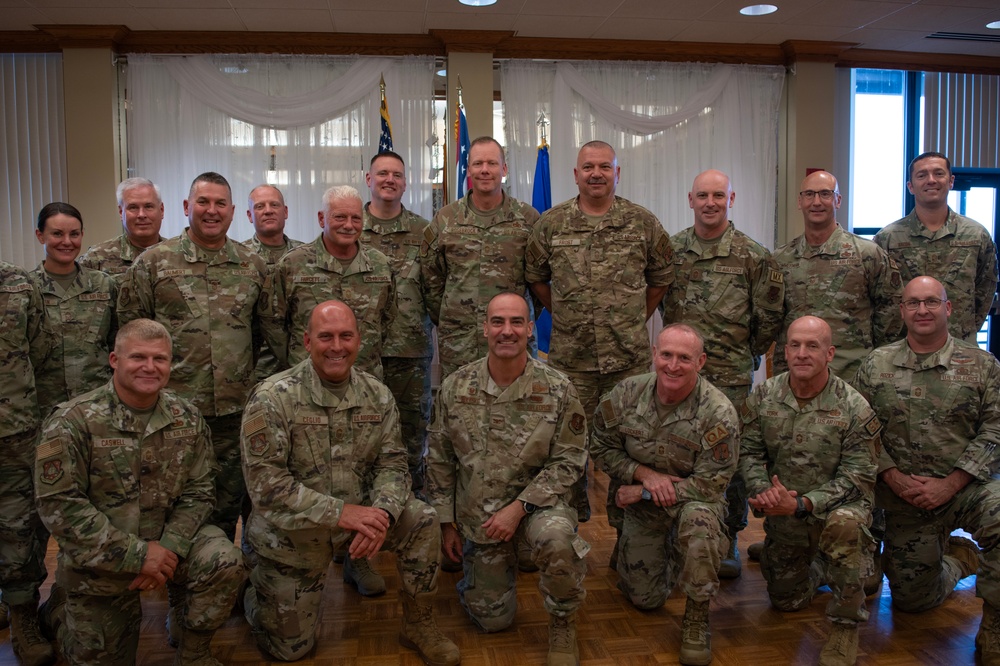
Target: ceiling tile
[[882, 39], [637, 28], [387, 6], [287, 20], [284, 4], [776, 34], [180, 4], [16, 18], [847, 13], [577, 27], [379, 21], [729, 10], [131, 18], [569, 8], [469, 21], [70, 4], [952, 46], [218, 20], [983, 4], [674, 10], [721, 31], [501, 7], [930, 18]]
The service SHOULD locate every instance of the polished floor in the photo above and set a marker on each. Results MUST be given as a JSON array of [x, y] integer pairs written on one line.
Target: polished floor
[[745, 629]]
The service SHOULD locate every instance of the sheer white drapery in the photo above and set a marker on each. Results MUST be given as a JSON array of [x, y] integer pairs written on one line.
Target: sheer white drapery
[[667, 122], [301, 123], [33, 148]]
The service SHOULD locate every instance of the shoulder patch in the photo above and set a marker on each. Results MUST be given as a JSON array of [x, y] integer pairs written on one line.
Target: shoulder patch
[[608, 413], [716, 435], [258, 444], [52, 471], [256, 423], [873, 426], [577, 423], [747, 413], [53, 447]]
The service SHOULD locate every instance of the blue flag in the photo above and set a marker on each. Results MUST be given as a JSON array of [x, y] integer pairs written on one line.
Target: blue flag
[[461, 154], [541, 200], [385, 137]]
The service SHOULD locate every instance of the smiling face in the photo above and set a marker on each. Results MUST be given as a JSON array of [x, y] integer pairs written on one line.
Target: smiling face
[[507, 327], [61, 237], [386, 179], [678, 357], [487, 168], [341, 223], [808, 349], [930, 181], [209, 209], [821, 200], [927, 323], [332, 340], [597, 172], [710, 198], [142, 215], [142, 368]]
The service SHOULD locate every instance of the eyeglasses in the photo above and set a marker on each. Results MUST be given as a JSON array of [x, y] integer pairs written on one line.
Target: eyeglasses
[[930, 303], [824, 195]]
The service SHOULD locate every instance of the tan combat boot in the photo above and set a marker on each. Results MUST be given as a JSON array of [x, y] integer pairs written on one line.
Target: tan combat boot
[[360, 574], [988, 638], [841, 647], [26, 637], [562, 641], [965, 552], [195, 648], [696, 643], [420, 632]]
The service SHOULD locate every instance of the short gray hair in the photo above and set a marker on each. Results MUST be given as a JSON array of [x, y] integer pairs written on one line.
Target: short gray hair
[[339, 192], [144, 330], [135, 183]]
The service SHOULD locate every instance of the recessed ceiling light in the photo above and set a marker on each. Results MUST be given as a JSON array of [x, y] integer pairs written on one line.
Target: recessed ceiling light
[[758, 10], [478, 3], [442, 72], [993, 25]]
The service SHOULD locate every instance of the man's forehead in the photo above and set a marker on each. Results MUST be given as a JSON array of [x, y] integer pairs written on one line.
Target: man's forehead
[[205, 190], [387, 163]]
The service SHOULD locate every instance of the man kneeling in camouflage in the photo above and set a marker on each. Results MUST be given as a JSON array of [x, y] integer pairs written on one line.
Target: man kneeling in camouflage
[[125, 481], [505, 446], [325, 464], [810, 443]]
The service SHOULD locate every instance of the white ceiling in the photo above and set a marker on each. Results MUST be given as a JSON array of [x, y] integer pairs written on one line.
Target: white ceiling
[[900, 25]]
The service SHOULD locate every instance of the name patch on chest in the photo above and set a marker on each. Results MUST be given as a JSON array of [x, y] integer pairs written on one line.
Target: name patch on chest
[[844, 262], [180, 432], [13, 289], [367, 418], [822, 420], [100, 296], [377, 278], [311, 420], [245, 273], [176, 272], [732, 270], [111, 442], [964, 243], [566, 242], [531, 407], [627, 238], [308, 279]]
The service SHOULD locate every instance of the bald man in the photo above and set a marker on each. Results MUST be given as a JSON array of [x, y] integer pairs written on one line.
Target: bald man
[[728, 287], [939, 398], [326, 470], [844, 279], [809, 447]]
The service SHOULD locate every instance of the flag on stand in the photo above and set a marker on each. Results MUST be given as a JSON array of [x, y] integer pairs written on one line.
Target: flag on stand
[[385, 136], [541, 200], [461, 153]]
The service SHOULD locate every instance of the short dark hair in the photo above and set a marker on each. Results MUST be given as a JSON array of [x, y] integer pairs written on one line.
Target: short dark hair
[[924, 156], [488, 139], [387, 153], [211, 177], [57, 208]]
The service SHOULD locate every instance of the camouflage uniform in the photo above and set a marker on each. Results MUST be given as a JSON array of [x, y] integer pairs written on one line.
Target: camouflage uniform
[[308, 276], [267, 364], [106, 487], [467, 259], [852, 285], [824, 450], [732, 291], [306, 453], [406, 356], [490, 446], [209, 301], [961, 255], [113, 257], [599, 275], [940, 413], [84, 325], [699, 442], [23, 343]]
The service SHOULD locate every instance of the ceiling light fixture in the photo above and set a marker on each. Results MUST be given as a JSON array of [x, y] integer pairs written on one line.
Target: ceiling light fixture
[[478, 3], [758, 10], [993, 25]]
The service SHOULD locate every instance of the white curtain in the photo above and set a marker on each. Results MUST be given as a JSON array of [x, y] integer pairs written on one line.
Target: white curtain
[[301, 123], [668, 122], [32, 149]]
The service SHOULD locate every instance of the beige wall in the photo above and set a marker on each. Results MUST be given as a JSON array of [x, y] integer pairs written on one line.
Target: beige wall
[[808, 135], [90, 88]]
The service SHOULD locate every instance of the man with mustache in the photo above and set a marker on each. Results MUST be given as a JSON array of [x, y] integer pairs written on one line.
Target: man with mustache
[[935, 240]]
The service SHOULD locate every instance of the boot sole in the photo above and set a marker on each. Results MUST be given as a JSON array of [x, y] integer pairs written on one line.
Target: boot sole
[[407, 643]]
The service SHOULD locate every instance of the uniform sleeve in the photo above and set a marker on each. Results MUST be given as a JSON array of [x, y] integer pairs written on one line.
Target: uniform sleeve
[[885, 289], [768, 305], [113, 329], [986, 279], [982, 455], [391, 485], [660, 258], [39, 329], [441, 462], [717, 461], [753, 450], [135, 296], [265, 448], [607, 444], [537, 253], [865, 384], [855, 477], [567, 455], [62, 477], [271, 307], [433, 269], [197, 500], [391, 309]]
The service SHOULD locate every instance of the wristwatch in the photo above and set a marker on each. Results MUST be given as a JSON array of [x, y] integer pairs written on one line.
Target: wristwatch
[[646, 495], [528, 507], [800, 508]]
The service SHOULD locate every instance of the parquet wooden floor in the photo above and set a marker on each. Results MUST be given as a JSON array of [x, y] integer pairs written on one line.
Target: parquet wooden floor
[[745, 629]]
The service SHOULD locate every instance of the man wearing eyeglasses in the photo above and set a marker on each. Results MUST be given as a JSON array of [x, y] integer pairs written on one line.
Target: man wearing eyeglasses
[[938, 398], [935, 240], [843, 279]]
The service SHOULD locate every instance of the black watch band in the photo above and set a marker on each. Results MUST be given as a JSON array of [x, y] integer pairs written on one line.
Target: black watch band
[[800, 508]]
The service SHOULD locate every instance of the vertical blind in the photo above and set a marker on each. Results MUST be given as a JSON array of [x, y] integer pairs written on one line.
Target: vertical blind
[[962, 118]]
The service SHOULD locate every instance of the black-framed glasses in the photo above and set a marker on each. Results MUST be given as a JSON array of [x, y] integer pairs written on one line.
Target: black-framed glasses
[[913, 304], [824, 195]]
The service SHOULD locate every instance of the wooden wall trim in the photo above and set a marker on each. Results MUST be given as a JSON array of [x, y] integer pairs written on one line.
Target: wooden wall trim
[[501, 43]]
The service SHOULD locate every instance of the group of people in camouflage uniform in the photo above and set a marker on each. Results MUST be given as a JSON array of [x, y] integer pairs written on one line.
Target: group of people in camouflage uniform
[[291, 383]]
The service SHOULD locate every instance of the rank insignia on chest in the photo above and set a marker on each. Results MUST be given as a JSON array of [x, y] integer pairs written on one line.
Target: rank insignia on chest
[[52, 471]]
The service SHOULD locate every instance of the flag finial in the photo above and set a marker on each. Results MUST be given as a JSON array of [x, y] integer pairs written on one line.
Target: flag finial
[[542, 124]]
